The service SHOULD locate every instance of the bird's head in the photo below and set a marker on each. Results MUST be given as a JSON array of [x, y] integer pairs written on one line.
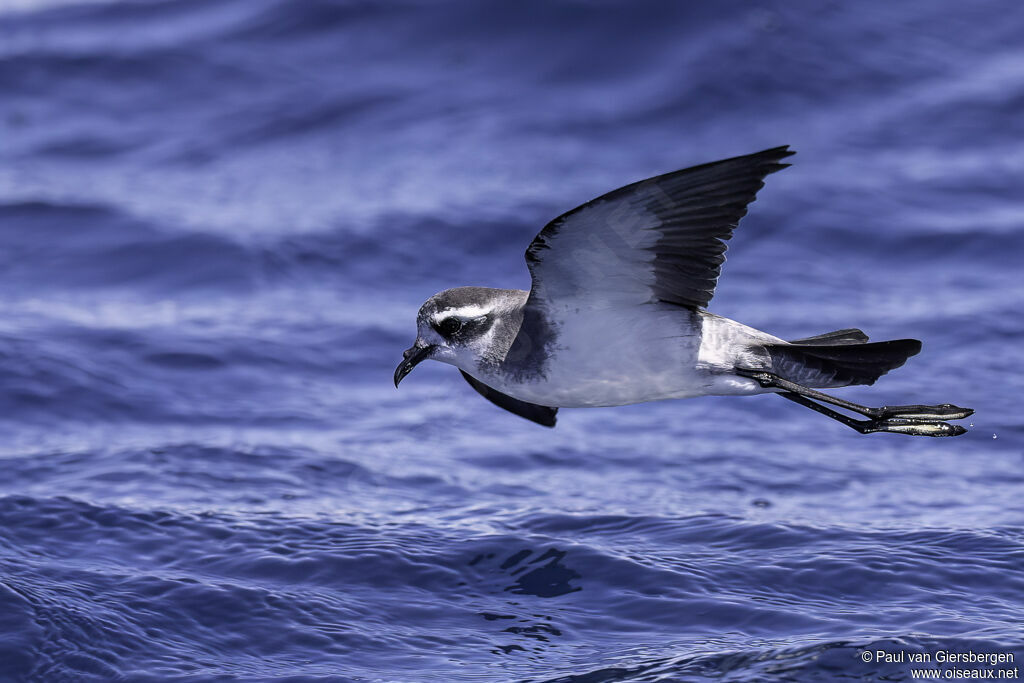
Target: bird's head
[[458, 326]]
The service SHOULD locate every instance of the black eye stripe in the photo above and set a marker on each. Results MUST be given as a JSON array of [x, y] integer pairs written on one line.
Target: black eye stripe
[[449, 326]]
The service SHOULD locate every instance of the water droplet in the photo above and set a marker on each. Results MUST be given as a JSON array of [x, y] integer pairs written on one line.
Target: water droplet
[[994, 436]]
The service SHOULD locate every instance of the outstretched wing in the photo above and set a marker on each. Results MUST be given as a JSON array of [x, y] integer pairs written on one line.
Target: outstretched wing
[[660, 239]]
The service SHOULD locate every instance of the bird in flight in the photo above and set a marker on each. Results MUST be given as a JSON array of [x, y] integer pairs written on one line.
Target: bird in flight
[[617, 315]]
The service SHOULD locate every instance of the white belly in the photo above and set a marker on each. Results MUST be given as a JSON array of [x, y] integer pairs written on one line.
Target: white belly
[[617, 357]]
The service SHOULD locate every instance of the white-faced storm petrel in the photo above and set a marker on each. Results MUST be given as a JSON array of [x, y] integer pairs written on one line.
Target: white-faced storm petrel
[[617, 315]]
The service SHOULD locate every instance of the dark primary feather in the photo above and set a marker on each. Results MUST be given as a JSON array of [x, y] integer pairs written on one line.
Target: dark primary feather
[[692, 212]]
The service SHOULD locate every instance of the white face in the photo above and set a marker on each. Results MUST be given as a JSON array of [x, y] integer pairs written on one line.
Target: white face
[[458, 335]]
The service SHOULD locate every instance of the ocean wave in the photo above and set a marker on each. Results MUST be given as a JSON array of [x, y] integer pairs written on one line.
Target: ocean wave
[[219, 219]]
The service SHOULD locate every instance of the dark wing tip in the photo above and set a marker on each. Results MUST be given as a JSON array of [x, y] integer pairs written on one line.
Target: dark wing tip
[[543, 415], [782, 151], [695, 210], [771, 158]]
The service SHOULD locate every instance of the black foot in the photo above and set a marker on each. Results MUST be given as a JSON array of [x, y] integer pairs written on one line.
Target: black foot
[[911, 427], [946, 411], [913, 420]]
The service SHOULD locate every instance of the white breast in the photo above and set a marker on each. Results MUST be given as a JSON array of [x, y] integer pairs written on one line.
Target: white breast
[[608, 357], [618, 356]]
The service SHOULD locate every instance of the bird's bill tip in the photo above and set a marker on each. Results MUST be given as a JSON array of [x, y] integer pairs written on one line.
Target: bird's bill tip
[[412, 357]]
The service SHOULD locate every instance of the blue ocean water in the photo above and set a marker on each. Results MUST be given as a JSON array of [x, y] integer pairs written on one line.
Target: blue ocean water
[[218, 218]]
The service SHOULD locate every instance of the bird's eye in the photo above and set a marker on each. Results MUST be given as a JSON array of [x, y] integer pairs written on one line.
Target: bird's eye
[[449, 326]]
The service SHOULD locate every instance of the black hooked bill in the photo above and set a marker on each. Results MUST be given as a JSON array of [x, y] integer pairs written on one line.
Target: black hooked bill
[[413, 357]]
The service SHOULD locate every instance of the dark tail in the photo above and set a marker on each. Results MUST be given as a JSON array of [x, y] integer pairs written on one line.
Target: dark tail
[[840, 358]]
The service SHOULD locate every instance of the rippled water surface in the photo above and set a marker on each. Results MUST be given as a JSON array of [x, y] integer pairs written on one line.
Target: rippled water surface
[[218, 219]]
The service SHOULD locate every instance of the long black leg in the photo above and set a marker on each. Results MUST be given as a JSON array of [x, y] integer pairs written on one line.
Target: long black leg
[[917, 420], [892, 424], [859, 425]]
